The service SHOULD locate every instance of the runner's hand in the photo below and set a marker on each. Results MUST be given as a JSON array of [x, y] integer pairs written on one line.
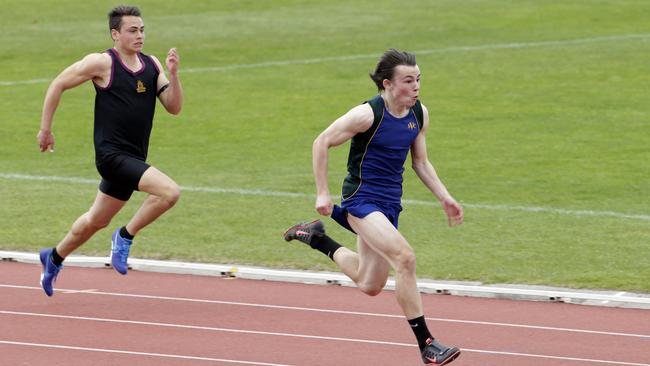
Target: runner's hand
[[45, 140], [172, 61], [324, 205], [454, 212]]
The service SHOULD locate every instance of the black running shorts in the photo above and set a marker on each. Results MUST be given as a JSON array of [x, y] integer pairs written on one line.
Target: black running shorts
[[121, 175]]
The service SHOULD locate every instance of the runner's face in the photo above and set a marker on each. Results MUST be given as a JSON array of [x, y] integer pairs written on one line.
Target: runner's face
[[405, 85], [131, 34]]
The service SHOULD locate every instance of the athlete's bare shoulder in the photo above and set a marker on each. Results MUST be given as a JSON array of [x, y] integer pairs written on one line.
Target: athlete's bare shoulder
[[96, 66], [93, 65], [97, 61], [360, 117]]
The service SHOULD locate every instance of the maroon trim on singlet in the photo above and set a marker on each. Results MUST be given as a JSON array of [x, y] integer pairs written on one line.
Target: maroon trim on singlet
[[110, 79], [155, 64], [126, 68]]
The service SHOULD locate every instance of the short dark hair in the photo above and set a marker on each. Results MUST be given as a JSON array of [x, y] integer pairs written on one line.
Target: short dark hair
[[116, 14], [387, 64]]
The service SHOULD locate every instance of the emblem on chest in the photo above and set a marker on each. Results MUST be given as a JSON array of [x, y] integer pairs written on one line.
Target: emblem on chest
[[140, 88]]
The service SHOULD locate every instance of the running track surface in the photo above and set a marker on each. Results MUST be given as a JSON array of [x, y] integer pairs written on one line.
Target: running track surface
[[97, 317]]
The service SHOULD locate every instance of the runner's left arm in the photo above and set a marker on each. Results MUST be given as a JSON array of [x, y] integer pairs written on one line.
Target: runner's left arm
[[170, 91], [427, 174]]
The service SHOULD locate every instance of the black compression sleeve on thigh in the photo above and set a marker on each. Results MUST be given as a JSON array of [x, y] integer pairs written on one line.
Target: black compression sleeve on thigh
[[326, 245]]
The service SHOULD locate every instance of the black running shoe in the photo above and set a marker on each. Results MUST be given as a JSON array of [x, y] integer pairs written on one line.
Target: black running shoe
[[305, 232], [438, 354]]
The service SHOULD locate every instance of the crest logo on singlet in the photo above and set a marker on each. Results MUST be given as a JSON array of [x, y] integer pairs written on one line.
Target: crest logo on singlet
[[412, 126], [140, 88]]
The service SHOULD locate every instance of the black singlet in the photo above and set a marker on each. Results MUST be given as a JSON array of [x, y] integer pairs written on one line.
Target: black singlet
[[124, 109]]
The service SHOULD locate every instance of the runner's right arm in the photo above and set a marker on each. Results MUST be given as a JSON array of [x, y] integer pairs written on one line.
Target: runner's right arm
[[356, 120], [93, 66]]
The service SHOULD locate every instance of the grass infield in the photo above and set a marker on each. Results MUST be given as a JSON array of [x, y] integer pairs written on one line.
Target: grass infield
[[539, 125]]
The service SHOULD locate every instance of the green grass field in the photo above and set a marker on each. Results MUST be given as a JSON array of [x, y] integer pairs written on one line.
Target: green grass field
[[540, 127]]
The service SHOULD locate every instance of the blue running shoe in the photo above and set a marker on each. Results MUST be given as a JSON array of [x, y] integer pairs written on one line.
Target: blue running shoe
[[120, 252], [50, 271]]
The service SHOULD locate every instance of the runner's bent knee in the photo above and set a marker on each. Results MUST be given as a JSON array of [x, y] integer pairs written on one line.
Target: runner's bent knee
[[402, 257], [171, 194], [371, 288]]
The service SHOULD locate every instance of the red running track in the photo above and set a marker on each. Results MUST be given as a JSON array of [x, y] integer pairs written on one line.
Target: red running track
[[97, 317]]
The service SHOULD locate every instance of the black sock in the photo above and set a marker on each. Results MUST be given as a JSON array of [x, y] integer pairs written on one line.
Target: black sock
[[56, 258], [419, 328], [325, 245], [125, 234]]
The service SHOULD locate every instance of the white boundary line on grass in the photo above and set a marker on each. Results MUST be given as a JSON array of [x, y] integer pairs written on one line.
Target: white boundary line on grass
[[259, 192], [496, 46], [277, 334], [24, 82], [454, 49]]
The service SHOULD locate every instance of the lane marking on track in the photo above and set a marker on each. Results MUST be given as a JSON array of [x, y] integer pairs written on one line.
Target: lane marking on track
[[135, 353], [453, 49], [261, 192], [294, 335], [343, 312], [555, 357], [200, 327], [79, 291]]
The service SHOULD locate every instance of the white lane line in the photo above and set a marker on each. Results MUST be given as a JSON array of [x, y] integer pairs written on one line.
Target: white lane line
[[134, 353], [455, 49], [265, 193], [555, 357], [294, 335], [199, 327], [79, 291], [343, 312]]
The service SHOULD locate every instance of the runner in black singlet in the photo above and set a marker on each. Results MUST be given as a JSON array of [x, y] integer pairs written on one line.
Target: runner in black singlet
[[127, 83], [124, 112]]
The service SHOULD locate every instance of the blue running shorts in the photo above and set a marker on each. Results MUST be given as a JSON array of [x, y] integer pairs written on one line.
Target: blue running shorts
[[361, 208]]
